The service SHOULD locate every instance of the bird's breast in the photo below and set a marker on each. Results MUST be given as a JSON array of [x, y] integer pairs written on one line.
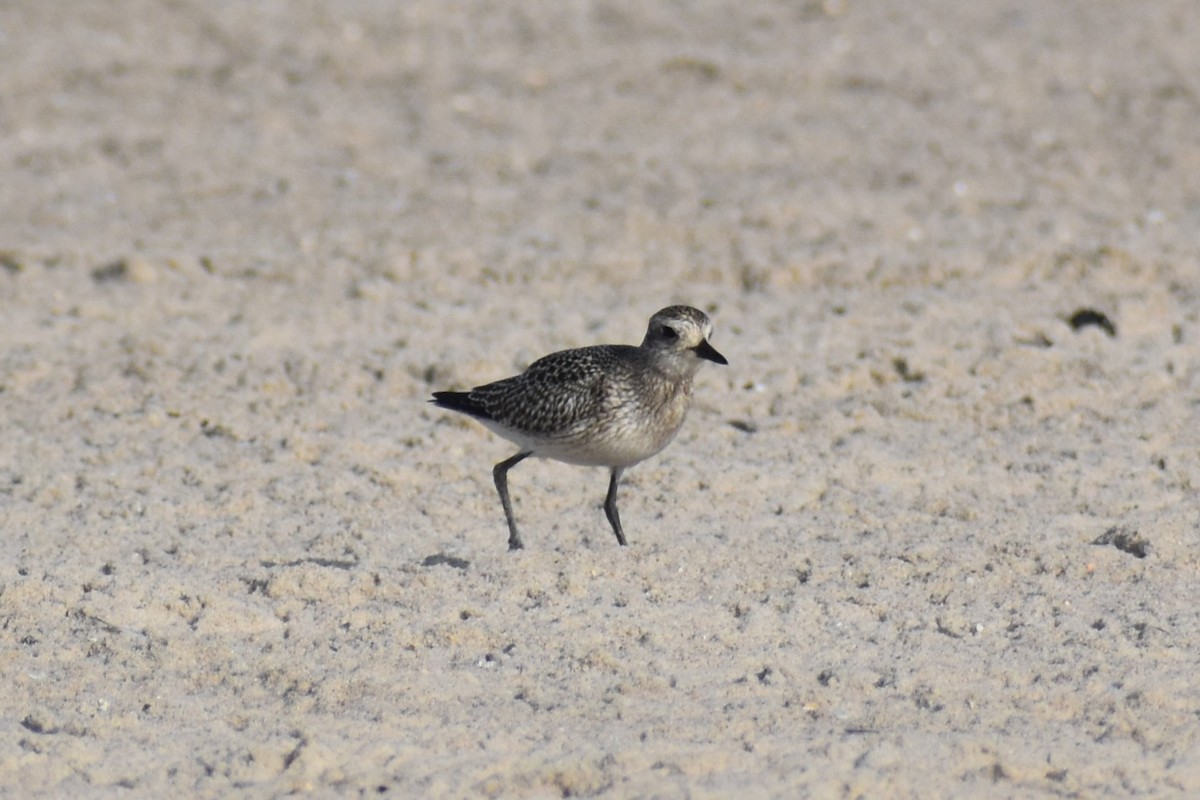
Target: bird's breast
[[630, 427]]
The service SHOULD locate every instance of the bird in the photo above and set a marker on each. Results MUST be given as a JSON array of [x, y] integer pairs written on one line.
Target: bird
[[610, 405]]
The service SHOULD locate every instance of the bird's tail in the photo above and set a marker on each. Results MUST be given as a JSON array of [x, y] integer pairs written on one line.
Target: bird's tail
[[462, 402]]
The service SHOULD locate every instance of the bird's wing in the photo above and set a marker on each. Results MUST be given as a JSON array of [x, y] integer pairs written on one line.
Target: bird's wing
[[555, 391]]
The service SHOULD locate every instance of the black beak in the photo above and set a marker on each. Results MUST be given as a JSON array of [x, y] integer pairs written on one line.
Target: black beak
[[706, 350]]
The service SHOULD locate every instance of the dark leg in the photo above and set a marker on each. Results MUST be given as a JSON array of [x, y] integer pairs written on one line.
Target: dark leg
[[500, 474], [610, 505]]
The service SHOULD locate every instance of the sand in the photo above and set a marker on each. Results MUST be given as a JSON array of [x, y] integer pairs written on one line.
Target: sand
[[924, 537]]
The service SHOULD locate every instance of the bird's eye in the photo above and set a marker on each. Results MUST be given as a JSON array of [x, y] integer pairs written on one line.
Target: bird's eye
[[668, 333]]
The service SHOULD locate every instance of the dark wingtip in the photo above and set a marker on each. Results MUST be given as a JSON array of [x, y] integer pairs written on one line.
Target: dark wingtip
[[462, 402]]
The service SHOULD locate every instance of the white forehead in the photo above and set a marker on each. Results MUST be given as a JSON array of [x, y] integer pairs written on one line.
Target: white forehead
[[683, 317]]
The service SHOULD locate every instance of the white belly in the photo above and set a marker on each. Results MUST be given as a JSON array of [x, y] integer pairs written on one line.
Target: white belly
[[621, 441]]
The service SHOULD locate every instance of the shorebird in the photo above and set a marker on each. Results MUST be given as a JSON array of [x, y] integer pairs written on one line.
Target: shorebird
[[610, 405]]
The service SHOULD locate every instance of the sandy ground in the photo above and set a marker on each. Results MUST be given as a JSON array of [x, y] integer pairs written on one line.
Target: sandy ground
[[922, 538]]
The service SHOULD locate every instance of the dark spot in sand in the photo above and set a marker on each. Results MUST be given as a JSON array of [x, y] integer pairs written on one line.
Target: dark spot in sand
[[1089, 316]]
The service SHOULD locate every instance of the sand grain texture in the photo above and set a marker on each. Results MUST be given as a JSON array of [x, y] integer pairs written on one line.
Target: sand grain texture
[[922, 538]]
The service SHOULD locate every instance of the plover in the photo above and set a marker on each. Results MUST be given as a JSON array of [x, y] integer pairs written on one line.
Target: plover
[[611, 405]]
